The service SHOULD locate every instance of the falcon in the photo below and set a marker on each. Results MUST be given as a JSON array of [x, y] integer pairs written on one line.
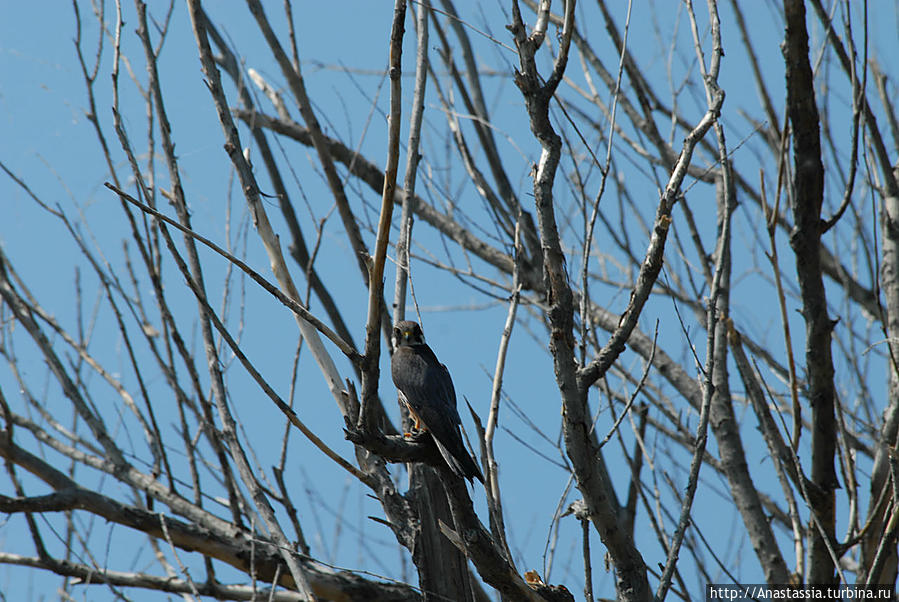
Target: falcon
[[426, 389]]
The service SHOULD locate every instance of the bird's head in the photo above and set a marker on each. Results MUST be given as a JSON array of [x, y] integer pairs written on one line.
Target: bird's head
[[407, 333]]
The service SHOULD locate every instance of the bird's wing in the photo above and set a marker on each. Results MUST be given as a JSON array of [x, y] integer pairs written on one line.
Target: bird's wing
[[442, 419]]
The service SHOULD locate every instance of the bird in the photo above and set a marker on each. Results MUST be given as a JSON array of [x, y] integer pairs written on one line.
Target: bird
[[426, 389]]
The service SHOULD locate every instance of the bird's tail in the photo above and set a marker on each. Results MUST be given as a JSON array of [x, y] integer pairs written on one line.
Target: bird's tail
[[461, 464]]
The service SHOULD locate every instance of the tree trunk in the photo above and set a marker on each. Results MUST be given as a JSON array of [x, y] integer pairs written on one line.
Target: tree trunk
[[442, 568], [808, 189]]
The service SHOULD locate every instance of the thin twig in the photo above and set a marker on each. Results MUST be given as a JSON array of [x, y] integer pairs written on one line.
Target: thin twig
[[636, 390], [287, 301], [492, 467]]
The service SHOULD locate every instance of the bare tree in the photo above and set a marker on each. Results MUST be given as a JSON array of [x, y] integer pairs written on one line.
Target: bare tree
[[654, 234]]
